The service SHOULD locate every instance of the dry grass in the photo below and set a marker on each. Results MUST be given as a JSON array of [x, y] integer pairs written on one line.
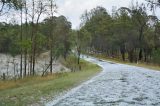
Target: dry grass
[[28, 80], [31, 90]]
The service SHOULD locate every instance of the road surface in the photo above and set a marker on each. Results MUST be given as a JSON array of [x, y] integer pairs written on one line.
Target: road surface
[[116, 85]]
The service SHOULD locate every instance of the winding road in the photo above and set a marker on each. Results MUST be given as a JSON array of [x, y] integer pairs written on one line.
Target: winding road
[[116, 85]]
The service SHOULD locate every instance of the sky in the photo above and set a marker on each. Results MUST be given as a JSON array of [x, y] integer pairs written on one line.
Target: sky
[[73, 9]]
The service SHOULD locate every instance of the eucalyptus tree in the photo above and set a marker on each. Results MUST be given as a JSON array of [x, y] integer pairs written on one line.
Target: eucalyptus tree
[[52, 7], [98, 23], [83, 40], [64, 27], [57, 30], [157, 36], [122, 29], [6, 5], [153, 4], [61, 38], [140, 20], [20, 6], [26, 47], [36, 10]]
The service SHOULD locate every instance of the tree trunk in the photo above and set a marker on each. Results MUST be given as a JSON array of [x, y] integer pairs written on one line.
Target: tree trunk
[[130, 56], [145, 55], [51, 59], [140, 54], [32, 38], [79, 53], [25, 51], [34, 57], [25, 63], [4, 76], [140, 42], [21, 63], [122, 49]]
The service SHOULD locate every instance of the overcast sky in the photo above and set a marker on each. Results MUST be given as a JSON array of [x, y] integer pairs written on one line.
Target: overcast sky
[[73, 9]]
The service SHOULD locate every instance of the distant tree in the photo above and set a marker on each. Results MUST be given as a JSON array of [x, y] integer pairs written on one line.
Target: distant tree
[[98, 23], [58, 36], [83, 39]]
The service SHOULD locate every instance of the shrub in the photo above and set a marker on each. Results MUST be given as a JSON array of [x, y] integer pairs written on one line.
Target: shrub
[[156, 56]]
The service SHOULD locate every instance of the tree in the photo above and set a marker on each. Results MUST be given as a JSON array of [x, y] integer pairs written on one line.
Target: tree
[[52, 10], [140, 19], [38, 8], [83, 39], [98, 23], [57, 30], [122, 28], [7, 4], [129, 32]]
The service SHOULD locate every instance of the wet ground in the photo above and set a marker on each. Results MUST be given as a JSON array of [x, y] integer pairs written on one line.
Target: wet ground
[[116, 85], [10, 66]]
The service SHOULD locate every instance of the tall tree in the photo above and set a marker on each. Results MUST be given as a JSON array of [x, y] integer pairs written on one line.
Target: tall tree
[[52, 10]]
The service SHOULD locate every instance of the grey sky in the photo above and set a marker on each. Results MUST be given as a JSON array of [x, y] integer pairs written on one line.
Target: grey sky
[[73, 9]]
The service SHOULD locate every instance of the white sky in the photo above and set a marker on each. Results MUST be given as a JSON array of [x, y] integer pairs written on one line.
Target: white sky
[[73, 9]]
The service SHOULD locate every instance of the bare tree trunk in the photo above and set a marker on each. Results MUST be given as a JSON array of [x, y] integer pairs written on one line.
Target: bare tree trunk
[[21, 63], [35, 34], [79, 53], [140, 43], [34, 55], [25, 51], [122, 49], [51, 45], [140, 54], [51, 60], [51, 35], [32, 38]]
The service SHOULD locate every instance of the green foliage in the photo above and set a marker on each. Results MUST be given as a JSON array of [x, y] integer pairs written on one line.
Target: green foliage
[[14, 48], [83, 38], [156, 56], [61, 41], [26, 44], [58, 33], [71, 63], [9, 42], [128, 32], [41, 41]]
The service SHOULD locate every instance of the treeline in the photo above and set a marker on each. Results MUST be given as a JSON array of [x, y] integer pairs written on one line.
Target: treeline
[[29, 36], [10, 37], [128, 33]]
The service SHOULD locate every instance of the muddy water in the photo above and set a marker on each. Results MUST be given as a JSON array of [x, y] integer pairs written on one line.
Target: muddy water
[[116, 85]]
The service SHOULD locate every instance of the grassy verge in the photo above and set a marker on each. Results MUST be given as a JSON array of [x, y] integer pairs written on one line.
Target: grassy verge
[[35, 89], [140, 64]]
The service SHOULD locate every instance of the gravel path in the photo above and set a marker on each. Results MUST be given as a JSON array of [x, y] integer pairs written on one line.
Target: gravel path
[[116, 85]]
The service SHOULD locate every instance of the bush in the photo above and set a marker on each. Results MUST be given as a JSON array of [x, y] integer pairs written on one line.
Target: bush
[[156, 56], [71, 63]]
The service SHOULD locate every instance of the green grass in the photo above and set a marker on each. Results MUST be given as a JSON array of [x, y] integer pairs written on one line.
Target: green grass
[[140, 64], [30, 90]]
